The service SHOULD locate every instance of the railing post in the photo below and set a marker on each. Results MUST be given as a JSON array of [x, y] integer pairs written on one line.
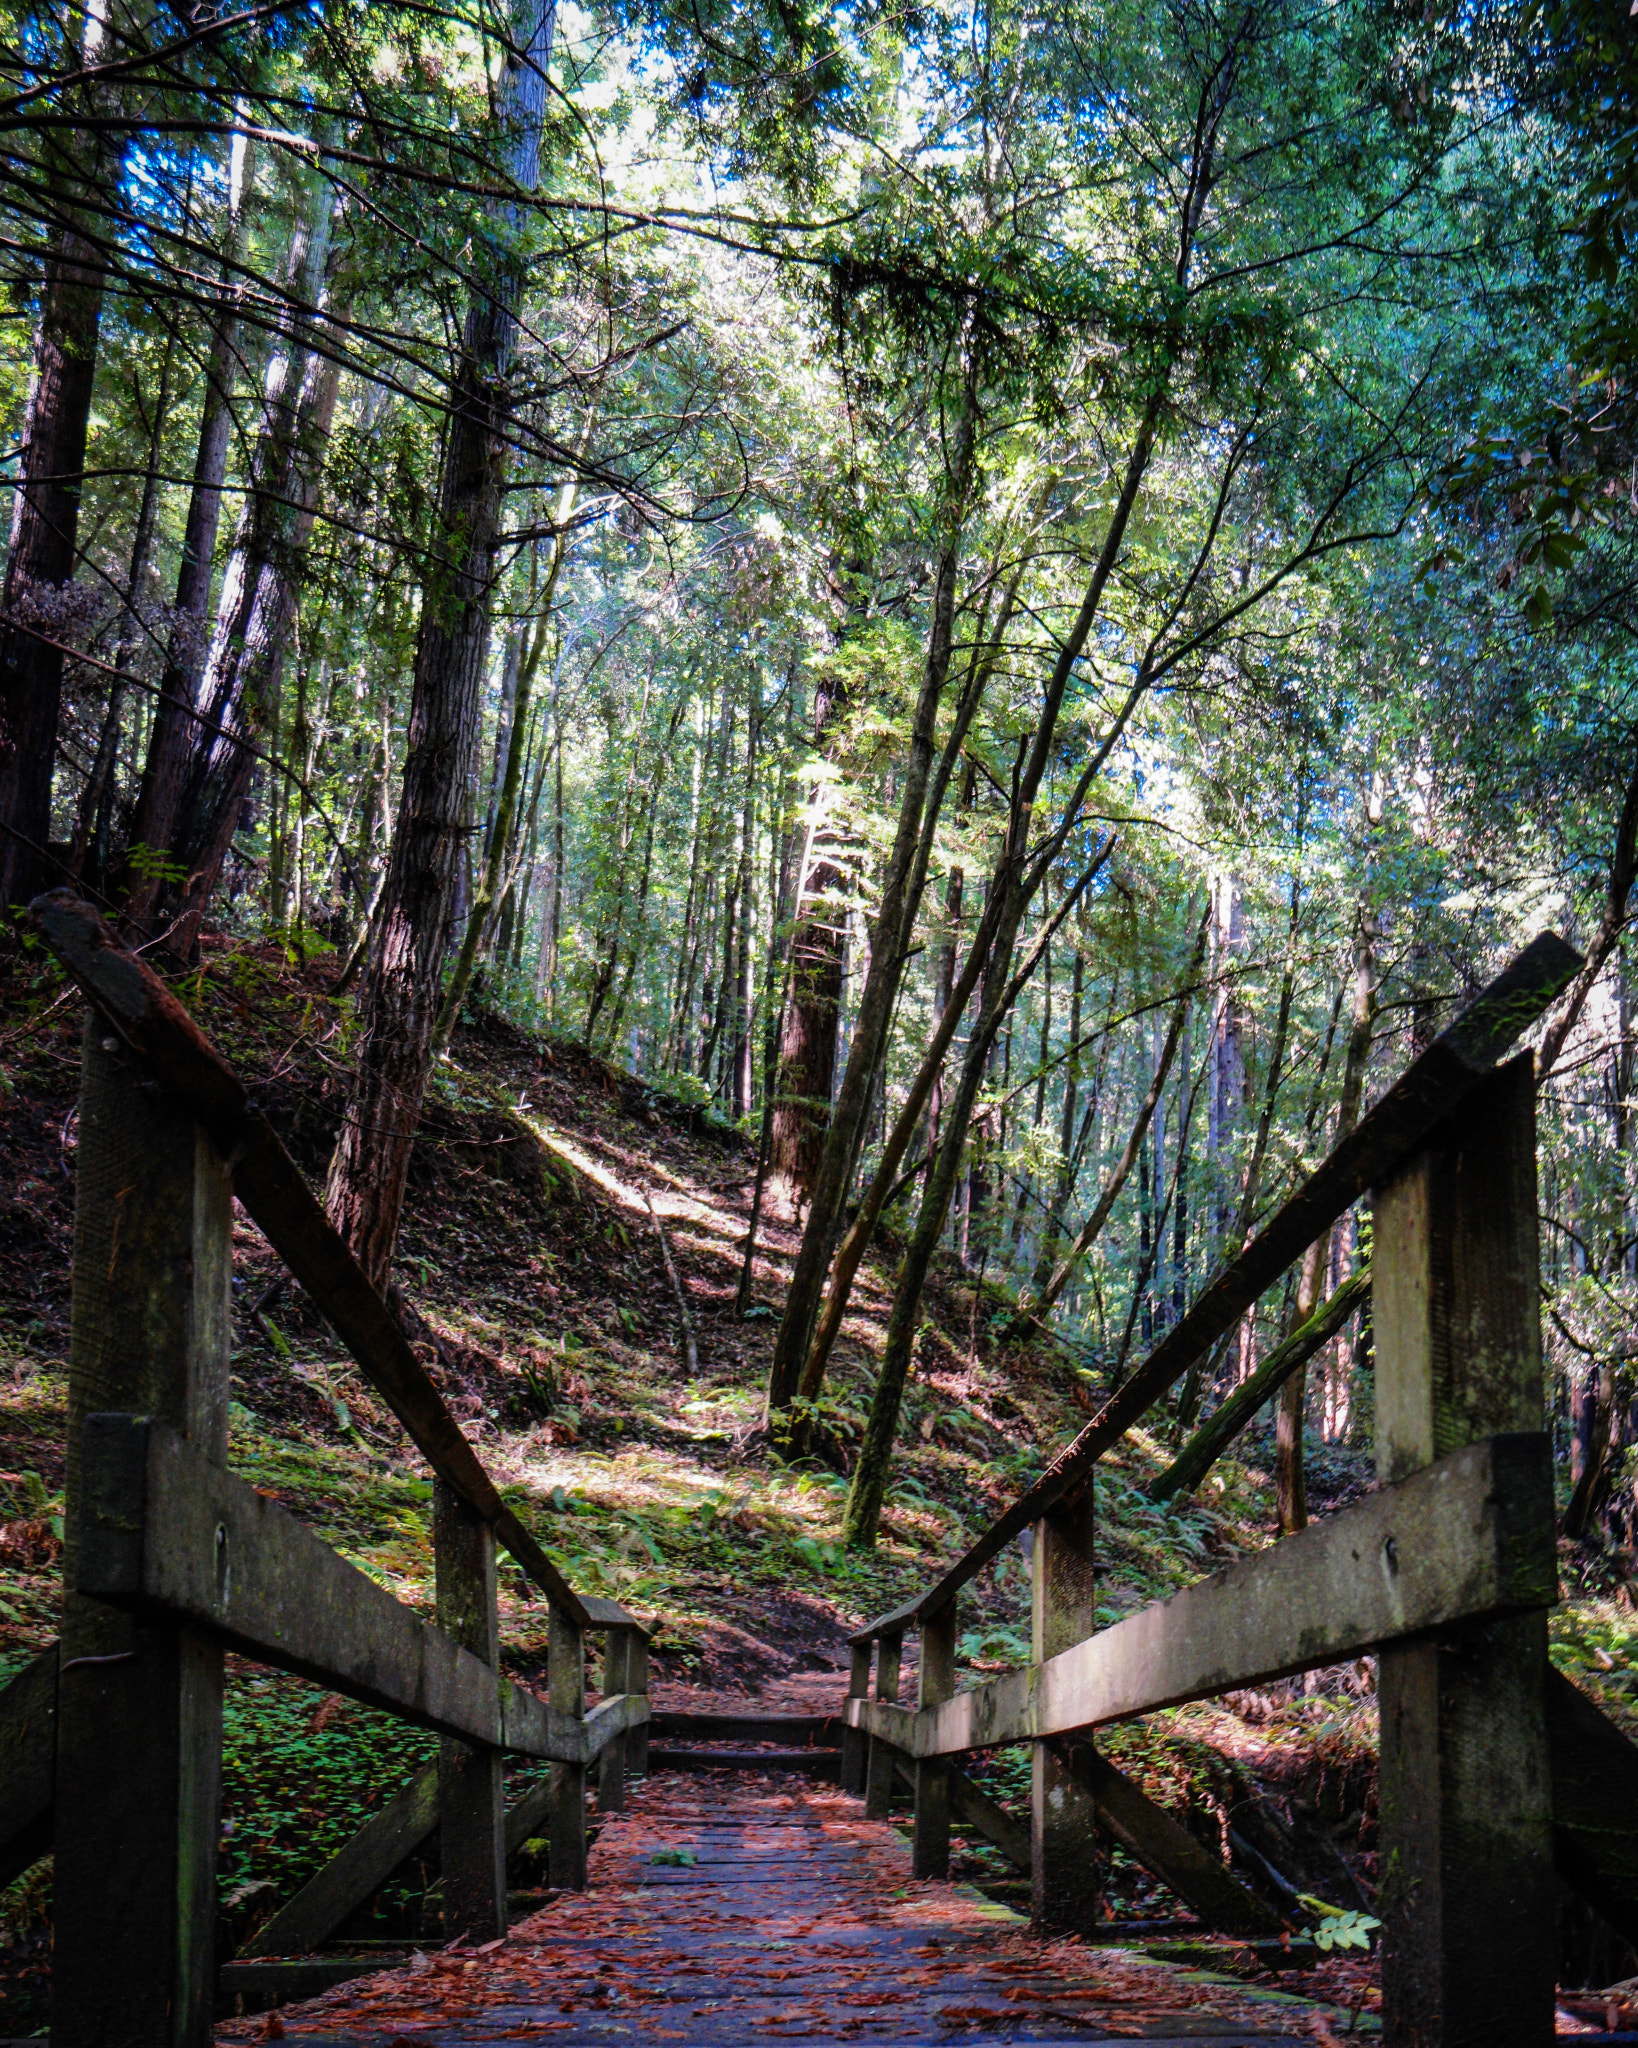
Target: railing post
[[611, 1765], [1466, 1848], [935, 1683], [139, 1741], [471, 1781], [637, 1681], [566, 1687], [855, 1743], [879, 1769], [1065, 1893]]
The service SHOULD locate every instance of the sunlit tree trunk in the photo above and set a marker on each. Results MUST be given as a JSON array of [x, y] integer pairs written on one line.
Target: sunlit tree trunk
[[399, 1010]]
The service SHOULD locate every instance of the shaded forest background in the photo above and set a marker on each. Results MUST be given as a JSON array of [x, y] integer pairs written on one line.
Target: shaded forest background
[[1017, 604]]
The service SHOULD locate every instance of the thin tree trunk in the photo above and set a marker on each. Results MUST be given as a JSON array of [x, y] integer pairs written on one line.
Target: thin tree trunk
[[806, 1076], [171, 739], [81, 171], [93, 825], [1290, 1484], [365, 1192], [240, 684], [887, 948], [1039, 1301]]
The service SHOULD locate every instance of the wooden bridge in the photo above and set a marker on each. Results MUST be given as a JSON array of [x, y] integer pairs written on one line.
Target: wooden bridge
[[783, 1907]]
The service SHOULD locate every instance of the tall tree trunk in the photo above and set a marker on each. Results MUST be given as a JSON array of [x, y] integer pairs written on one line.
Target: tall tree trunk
[[171, 739], [813, 1008], [365, 1192], [1290, 1485], [93, 825], [81, 171], [887, 948], [239, 688], [1040, 1300]]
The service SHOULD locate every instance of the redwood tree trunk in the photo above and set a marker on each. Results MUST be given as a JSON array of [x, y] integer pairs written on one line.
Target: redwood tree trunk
[[46, 511], [415, 923], [171, 738]]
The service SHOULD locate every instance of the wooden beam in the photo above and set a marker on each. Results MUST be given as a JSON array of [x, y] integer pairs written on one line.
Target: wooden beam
[[471, 1779], [1595, 1804], [1431, 1087], [611, 1761], [1163, 1845], [28, 1760], [879, 1762], [1466, 1539], [566, 1680], [935, 1682], [139, 1698], [165, 1532], [1065, 1893], [357, 1870], [172, 1049], [1467, 1897], [855, 1748]]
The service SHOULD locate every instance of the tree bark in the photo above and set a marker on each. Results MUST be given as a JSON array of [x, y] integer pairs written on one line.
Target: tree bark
[[365, 1192], [1290, 1484], [171, 738], [887, 948], [813, 1009], [81, 169]]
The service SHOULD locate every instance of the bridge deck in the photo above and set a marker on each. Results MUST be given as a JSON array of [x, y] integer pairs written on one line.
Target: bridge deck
[[796, 1919]]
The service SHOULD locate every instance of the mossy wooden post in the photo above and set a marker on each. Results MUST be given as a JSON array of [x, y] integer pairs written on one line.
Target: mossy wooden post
[[1466, 1855], [935, 1683], [566, 1680], [637, 1681], [1064, 1887], [611, 1765], [855, 1743], [139, 1743], [879, 1767], [471, 1781]]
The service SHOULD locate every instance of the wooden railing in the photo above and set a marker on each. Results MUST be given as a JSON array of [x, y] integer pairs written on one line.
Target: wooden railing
[[111, 1742], [1446, 1574]]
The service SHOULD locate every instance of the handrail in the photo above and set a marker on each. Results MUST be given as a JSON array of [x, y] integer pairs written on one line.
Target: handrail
[[1383, 1139], [159, 1032]]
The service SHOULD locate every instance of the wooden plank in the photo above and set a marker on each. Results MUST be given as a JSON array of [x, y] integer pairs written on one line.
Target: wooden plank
[[1066, 1894], [1468, 1896], [471, 1780], [637, 1679], [610, 1721], [253, 1986], [566, 1680], [1431, 1087], [139, 1699], [601, 1614], [855, 1747], [611, 1758], [935, 1683], [1163, 1845], [1465, 1539], [789, 1731], [132, 999], [164, 1531], [356, 1871], [28, 1760], [879, 1762], [1595, 1804]]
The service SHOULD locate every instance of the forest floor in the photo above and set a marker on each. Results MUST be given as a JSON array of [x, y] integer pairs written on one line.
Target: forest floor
[[531, 1255]]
